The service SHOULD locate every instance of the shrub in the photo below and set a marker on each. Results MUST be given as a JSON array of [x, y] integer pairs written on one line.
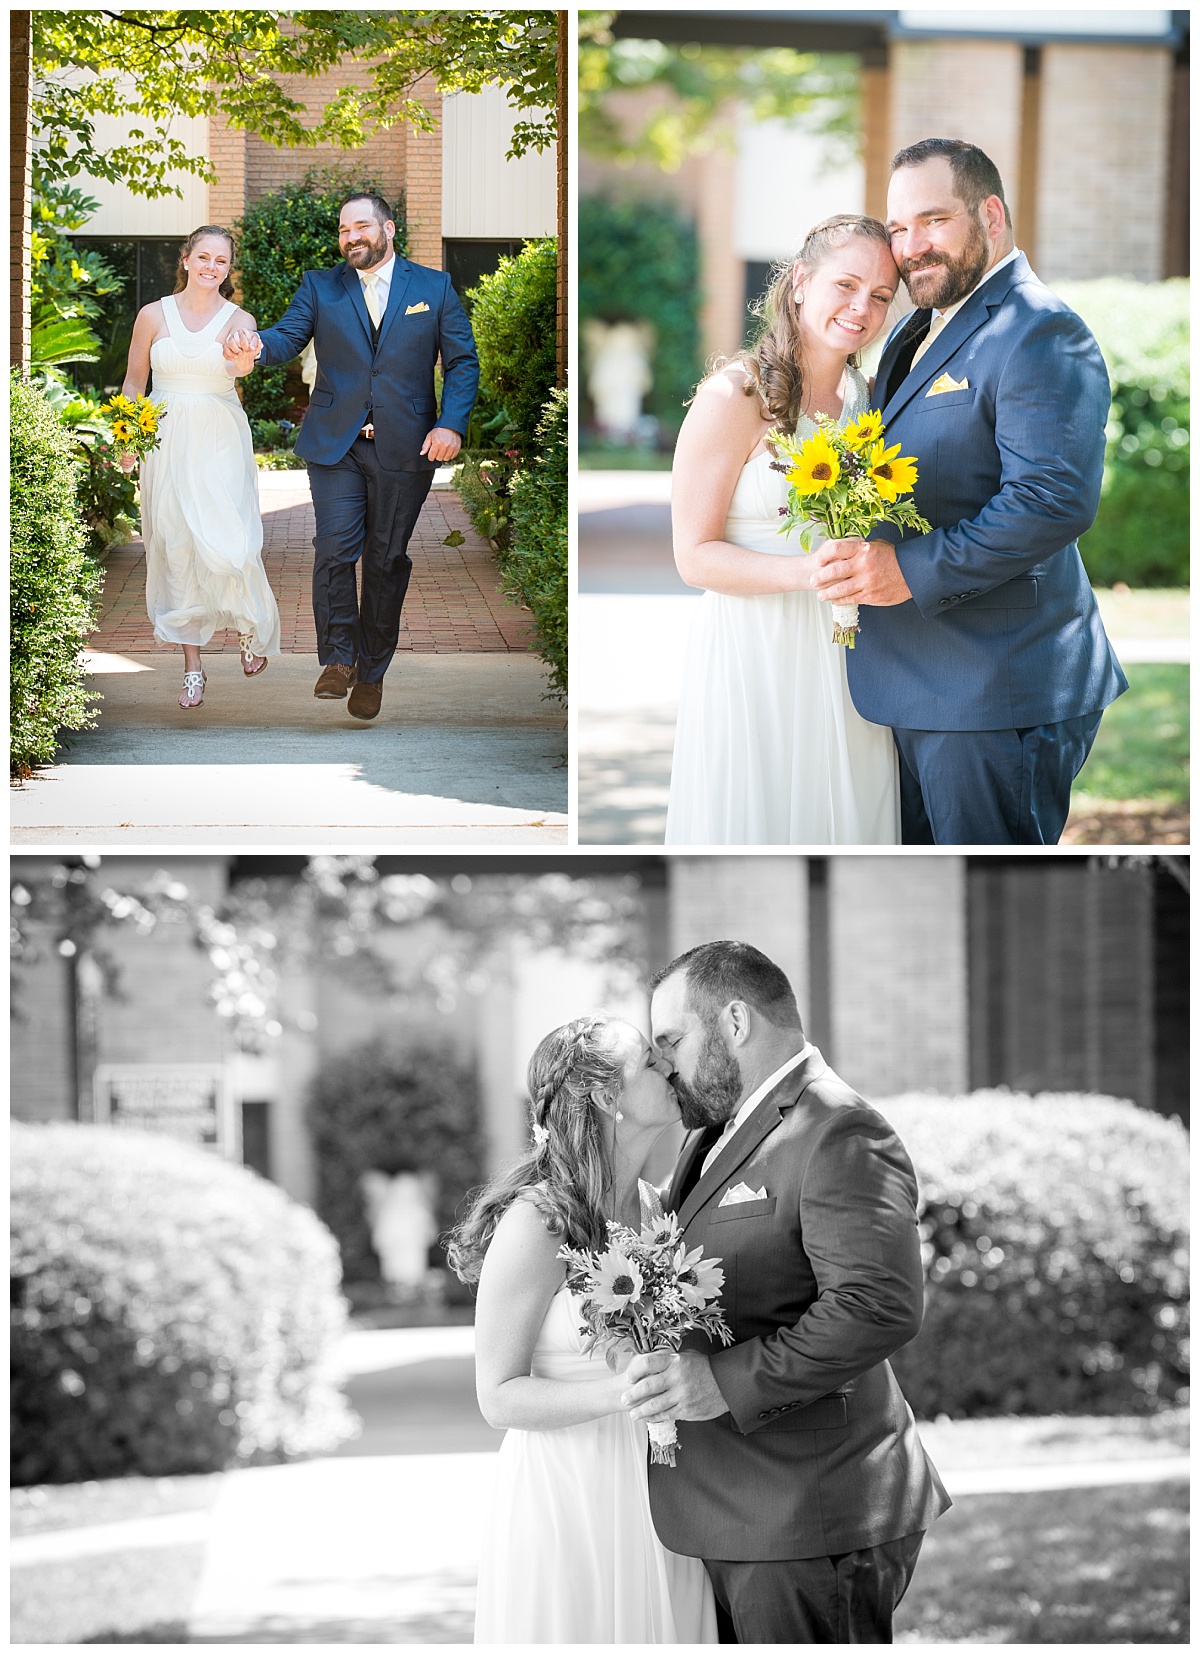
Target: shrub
[[282, 235], [483, 485], [640, 261], [535, 566], [172, 1313], [513, 314], [1055, 1239], [53, 584], [1141, 531], [393, 1108]]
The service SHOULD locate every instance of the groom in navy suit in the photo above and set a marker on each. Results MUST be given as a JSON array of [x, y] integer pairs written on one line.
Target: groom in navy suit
[[372, 435], [982, 646]]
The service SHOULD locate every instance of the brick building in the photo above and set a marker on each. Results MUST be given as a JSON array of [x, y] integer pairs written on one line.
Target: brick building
[[1084, 112], [934, 973]]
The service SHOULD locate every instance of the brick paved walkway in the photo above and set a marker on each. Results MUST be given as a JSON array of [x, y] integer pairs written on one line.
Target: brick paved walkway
[[454, 604]]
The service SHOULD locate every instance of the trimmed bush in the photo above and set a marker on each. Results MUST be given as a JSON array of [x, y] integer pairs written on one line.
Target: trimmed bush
[[1055, 1236], [1141, 530], [640, 261], [392, 1108], [171, 1313], [482, 484], [513, 315], [53, 584], [535, 566], [283, 234]]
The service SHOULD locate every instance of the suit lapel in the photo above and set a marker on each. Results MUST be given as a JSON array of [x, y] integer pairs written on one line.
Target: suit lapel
[[355, 289], [974, 313], [913, 323], [401, 279], [749, 1135]]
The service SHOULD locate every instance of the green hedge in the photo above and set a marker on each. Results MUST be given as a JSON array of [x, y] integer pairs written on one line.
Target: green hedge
[[535, 566], [282, 235], [53, 584], [1141, 531], [391, 1108], [640, 261], [171, 1312], [514, 317], [1055, 1235]]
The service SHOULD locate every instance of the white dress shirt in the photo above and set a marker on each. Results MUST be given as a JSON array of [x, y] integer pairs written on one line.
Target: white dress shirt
[[383, 285], [808, 1049]]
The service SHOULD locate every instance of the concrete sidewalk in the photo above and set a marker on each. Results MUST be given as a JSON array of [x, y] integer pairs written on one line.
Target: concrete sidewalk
[[380, 1543], [465, 750]]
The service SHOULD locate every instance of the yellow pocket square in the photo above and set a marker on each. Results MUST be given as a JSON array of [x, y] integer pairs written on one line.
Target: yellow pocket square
[[946, 383], [413, 308]]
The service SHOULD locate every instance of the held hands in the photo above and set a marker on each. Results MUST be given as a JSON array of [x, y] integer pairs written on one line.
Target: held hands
[[859, 571], [441, 445], [662, 1385], [242, 348]]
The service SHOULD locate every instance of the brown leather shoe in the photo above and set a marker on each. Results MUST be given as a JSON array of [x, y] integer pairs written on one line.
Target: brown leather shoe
[[335, 681], [365, 700]]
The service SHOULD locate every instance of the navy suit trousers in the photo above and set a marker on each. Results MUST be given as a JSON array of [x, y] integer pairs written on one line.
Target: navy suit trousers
[[816, 1599], [990, 786], [363, 512]]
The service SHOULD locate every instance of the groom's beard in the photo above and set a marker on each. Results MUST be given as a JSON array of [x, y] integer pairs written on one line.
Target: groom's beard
[[368, 252], [935, 280], [716, 1088]]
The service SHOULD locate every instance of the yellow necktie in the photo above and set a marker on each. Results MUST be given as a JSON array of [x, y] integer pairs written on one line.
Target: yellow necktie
[[935, 327], [370, 279]]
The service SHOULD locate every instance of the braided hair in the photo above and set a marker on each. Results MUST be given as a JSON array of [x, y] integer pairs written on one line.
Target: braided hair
[[774, 365], [566, 1169]]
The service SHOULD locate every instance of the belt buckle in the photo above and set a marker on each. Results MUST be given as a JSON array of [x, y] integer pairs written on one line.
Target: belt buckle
[[368, 431]]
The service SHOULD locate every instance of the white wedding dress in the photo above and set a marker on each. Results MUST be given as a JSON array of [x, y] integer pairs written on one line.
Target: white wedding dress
[[569, 1551], [768, 746], [200, 517]]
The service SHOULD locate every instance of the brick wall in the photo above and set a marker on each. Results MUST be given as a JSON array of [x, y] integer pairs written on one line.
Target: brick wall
[[19, 194], [758, 899], [898, 972], [423, 170], [1103, 161]]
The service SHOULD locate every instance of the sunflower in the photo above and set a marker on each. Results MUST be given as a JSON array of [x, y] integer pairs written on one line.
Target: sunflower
[[148, 420], [891, 476], [618, 1280], [122, 430], [698, 1278], [817, 467], [119, 404], [867, 428]]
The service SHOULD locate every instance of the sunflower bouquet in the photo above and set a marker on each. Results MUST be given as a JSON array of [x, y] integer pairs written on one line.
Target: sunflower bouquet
[[644, 1292], [842, 481], [134, 424]]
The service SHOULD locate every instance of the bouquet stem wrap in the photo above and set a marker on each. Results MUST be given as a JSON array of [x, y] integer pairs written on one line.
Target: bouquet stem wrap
[[664, 1439]]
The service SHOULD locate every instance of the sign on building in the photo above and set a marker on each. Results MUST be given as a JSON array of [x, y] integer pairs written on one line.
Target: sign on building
[[191, 1101]]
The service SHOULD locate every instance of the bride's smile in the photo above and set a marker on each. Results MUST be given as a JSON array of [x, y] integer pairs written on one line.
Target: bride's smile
[[844, 302]]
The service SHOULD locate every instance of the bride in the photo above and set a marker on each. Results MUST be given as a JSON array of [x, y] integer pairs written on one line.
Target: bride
[[768, 746], [569, 1550], [199, 487]]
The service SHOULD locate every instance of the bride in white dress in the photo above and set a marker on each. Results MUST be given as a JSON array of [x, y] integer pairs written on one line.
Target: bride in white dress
[[200, 516], [768, 746], [569, 1551]]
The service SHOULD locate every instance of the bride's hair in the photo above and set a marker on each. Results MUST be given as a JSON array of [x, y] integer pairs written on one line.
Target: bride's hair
[[226, 287], [566, 1170], [773, 364]]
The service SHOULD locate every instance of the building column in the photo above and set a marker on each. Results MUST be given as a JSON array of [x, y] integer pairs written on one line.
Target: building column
[[762, 900], [423, 181], [898, 973], [876, 95], [722, 272], [968, 89], [1103, 161], [227, 152]]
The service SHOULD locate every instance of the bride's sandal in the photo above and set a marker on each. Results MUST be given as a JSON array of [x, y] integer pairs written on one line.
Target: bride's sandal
[[193, 690], [252, 664]]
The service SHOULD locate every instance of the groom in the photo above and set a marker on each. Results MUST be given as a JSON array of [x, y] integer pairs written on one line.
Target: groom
[[800, 1480], [983, 647], [372, 435]]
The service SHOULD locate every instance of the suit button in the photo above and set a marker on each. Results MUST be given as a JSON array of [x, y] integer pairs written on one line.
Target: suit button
[[764, 1415]]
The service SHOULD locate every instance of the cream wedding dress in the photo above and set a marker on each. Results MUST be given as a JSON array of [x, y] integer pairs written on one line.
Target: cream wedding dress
[[569, 1551], [200, 516], [768, 746]]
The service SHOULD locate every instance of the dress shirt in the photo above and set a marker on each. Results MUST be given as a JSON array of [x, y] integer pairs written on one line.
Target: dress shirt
[[808, 1049], [383, 284]]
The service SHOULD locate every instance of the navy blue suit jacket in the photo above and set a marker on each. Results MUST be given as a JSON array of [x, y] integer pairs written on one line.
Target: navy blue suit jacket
[[1003, 631], [423, 320]]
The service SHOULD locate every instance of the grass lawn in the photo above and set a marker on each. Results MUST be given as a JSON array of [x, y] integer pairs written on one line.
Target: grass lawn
[[1145, 611], [623, 459], [1093, 1565]]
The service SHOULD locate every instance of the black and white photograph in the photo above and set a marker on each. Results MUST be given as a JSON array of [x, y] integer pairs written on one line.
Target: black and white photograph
[[621, 1249]]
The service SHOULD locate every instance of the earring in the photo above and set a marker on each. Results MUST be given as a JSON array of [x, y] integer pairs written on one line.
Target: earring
[[799, 297], [618, 1115]]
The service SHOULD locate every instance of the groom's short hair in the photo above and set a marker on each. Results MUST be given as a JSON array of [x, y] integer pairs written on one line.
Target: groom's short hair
[[719, 972], [378, 205], [976, 175]]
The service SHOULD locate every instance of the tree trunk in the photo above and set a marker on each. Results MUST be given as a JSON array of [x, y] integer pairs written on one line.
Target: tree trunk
[[20, 184], [563, 66]]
